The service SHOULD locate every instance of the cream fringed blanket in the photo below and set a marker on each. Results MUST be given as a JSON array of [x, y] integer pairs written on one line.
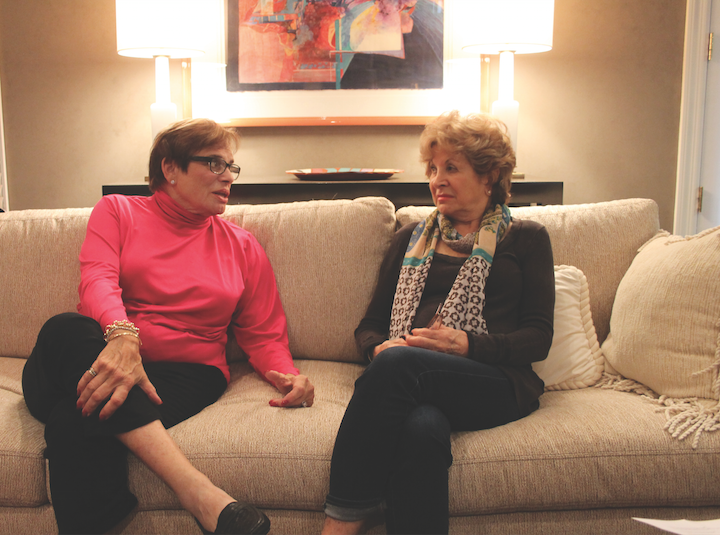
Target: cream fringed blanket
[[685, 417]]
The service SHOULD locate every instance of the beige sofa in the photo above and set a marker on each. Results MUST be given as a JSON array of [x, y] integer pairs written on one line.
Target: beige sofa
[[587, 461]]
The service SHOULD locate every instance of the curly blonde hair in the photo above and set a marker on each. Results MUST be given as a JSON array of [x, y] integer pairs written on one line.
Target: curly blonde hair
[[182, 140], [482, 139]]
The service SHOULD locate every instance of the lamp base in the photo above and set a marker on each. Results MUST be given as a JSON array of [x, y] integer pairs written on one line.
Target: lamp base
[[162, 114], [507, 111]]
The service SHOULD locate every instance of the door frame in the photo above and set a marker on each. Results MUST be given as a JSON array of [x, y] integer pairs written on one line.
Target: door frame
[[692, 115], [4, 201]]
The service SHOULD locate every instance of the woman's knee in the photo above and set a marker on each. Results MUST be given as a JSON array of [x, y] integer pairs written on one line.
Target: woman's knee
[[404, 363], [68, 335], [393, 360], [65, 330], [66, 346], [67, 322], [390, 369]]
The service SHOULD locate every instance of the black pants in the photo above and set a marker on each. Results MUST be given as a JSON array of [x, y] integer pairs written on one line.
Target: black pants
[[394, 441], [88, 465]]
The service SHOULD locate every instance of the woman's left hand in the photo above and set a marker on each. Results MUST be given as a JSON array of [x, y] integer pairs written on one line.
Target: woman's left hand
[[296, 389], [442, 339]]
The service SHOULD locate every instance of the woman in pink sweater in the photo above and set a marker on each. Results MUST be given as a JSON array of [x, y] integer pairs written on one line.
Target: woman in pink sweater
[[163, 278]]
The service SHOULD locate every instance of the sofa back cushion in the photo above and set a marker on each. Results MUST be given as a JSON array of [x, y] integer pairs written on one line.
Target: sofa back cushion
[[599, 239], [39, 272], [326, 256]]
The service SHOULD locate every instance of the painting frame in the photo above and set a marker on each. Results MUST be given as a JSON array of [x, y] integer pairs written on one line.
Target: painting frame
[[461, 90]]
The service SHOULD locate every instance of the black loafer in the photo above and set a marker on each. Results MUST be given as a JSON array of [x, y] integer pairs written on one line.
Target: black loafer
[[240, 519]]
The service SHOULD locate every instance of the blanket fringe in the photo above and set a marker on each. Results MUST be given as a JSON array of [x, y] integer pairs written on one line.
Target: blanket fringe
[[609, 381], [714, 368], [685, 417]]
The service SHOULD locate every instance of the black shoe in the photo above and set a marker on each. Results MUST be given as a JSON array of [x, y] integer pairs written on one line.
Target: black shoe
[[240, 519]]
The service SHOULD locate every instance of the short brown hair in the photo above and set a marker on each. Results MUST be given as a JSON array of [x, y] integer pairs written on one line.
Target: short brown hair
[[482, 139], [181, 140]]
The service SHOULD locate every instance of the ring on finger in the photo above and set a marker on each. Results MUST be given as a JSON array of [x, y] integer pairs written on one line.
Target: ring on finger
[[304, 404], [91, 371]]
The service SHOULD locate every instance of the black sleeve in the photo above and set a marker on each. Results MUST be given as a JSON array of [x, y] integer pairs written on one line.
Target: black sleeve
[[374, 328], [528, 336]]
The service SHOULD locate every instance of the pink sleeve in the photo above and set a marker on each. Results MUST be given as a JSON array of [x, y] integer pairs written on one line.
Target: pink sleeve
[[259, 324], [100, 293]]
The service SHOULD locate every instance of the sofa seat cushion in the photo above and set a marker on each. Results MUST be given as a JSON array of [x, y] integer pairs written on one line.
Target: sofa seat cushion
[[271, 457], [22, 443], [588, 448]]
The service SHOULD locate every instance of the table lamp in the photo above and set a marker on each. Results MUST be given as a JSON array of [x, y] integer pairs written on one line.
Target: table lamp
[[160, 29], [207, 95], [507, 27]]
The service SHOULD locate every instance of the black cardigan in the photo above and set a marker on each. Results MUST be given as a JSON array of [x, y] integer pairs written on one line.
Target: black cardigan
[[519, 304]]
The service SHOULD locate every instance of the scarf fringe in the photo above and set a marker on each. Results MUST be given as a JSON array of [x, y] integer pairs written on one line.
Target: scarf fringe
[[685, 417]]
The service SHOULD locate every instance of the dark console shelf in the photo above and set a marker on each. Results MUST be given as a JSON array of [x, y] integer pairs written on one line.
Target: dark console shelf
[[400, 191]]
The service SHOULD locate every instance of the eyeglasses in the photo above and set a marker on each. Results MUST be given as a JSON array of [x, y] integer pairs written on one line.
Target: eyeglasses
[[217, 165]]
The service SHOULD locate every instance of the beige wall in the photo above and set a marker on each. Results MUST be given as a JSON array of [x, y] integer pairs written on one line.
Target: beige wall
[[599, 112]]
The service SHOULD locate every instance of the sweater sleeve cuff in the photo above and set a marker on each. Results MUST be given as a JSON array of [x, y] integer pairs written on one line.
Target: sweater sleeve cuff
[[471, 346]]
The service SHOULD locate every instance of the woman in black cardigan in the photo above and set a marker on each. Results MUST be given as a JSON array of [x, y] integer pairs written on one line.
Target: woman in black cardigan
[[463, 307]]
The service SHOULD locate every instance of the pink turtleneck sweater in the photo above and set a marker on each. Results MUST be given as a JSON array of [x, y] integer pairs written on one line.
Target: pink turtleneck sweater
[[182, 280]]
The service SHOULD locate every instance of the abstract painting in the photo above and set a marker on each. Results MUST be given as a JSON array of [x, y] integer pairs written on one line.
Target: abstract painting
[[276, 45]]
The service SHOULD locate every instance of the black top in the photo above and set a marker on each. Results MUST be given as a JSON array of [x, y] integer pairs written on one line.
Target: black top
[[519, 304]]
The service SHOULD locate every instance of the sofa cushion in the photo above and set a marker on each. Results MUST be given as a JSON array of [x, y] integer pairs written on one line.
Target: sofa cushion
[[325, 282], [326, 256], [590, 448], [582, 449], [241, 443], [665, 326], [600, 239], [22, 443], [39, 272], [575, 359]]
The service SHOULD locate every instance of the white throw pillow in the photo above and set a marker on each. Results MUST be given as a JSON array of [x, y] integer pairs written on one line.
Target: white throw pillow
[[575, 359]]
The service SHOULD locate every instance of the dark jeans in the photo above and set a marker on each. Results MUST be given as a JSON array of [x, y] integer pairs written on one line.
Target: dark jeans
[[394, 441], [88, 465]]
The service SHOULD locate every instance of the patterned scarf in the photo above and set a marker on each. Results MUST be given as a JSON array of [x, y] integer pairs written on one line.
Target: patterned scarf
[[464, 304]]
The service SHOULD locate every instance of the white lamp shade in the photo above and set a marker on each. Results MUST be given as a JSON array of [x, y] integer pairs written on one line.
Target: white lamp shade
[[214, 33], [494, 26], [172, 28]]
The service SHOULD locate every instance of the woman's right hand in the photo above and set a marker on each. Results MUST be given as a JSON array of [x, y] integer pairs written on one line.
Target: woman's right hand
[[119, 368], [388, 343]]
